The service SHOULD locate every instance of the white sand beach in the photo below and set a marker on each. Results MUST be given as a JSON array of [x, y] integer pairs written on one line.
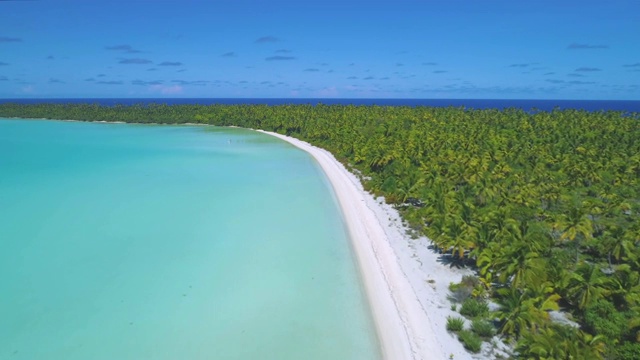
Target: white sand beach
[[405, 284]]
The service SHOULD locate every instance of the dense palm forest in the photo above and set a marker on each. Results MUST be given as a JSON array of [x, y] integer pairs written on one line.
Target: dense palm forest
[[544, 205]]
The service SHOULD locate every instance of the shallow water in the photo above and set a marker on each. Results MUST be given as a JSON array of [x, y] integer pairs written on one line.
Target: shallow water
[[163, 242]]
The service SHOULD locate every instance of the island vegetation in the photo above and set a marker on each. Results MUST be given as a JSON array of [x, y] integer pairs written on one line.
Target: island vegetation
[[544, 205]]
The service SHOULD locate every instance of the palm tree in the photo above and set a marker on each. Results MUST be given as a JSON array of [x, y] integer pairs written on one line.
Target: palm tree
[[458, 236], [544, 344], [587, 285], [558, 342], [575, 226], [523, 311]]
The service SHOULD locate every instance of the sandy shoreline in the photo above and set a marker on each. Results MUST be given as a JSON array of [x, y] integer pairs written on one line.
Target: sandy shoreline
[[405, 284]]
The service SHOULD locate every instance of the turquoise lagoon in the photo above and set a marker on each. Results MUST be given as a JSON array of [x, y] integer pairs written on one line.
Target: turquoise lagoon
[[123, 241]]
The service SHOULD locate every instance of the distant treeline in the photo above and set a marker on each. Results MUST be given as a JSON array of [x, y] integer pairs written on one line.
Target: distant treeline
[[545, 205]]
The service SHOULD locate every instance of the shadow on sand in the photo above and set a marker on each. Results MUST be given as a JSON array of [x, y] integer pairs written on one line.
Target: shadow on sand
[[451, 260]]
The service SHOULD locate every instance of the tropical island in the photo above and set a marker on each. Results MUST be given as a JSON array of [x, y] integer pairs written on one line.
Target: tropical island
[[543, 207]]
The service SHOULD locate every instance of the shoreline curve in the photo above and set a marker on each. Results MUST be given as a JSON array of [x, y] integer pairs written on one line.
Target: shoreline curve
[[403, 326]]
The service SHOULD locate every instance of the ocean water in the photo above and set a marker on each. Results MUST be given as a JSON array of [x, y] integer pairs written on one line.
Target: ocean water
[[524, 104], [138, 242]]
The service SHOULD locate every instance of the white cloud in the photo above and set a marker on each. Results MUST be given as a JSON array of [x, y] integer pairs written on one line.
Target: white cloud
[[327, 92], [167, 90], [29, 89]]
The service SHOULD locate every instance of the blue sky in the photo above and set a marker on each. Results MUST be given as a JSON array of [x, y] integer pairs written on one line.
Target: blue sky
[[490, 49]]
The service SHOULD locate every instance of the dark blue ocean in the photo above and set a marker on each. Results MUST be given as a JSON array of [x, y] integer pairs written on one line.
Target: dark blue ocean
[[527, 105]]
